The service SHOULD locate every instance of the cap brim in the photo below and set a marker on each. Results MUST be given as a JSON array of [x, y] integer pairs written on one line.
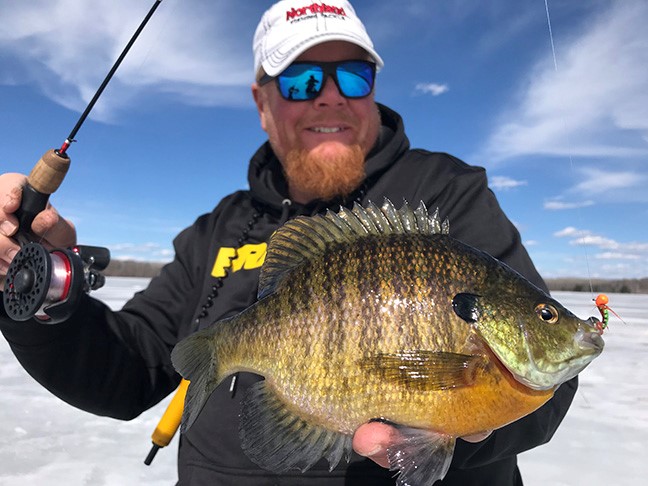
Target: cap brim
[[278, 60]]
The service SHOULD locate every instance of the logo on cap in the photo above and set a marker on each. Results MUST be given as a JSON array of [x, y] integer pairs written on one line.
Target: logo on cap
[[314, 8]]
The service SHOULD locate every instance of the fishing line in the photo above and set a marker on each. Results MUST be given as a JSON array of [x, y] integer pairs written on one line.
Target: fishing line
[[569, 146], [155, 43]]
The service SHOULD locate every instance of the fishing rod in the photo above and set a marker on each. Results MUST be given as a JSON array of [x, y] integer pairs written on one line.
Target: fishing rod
[[48, 284], [49, 172]]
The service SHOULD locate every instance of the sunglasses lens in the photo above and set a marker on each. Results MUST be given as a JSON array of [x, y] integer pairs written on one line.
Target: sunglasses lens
[[355, 78], [300, 82], [303, 81]]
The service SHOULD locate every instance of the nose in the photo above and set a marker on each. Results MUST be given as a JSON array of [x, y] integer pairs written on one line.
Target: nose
[[330, 95]]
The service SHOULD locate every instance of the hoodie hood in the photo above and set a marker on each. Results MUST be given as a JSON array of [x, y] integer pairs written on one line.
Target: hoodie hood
[[268, 185]]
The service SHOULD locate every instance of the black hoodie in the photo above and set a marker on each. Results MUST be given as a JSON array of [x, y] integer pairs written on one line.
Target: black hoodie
[[117, 363]]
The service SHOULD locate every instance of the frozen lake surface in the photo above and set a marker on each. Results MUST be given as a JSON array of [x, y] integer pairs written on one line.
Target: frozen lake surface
[[603, 440]]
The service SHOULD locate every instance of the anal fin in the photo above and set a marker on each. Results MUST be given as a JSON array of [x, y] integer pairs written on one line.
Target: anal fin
[[278, 440], [421, 457]]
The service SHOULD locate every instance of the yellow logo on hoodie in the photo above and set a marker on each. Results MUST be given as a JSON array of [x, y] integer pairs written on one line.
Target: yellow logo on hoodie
[[246, 257]]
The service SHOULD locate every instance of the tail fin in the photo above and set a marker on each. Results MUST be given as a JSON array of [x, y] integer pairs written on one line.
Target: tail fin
[[196, 360]]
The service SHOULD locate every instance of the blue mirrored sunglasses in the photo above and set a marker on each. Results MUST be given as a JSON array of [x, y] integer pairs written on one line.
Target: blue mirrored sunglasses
[[302, 81]]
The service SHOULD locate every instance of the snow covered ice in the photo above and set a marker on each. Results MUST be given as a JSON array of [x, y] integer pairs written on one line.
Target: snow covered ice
[[603, 440]]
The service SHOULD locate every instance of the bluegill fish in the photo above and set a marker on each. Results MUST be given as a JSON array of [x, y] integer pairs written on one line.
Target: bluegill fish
[[379, 313]]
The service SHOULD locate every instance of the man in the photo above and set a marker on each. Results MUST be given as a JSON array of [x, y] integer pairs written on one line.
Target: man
[[329, 144]]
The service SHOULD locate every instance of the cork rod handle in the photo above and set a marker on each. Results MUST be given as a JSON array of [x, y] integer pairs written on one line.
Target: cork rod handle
[[49, 172], [44, 179]]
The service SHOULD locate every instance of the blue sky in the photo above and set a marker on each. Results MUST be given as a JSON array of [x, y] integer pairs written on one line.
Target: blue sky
[[565, 143]]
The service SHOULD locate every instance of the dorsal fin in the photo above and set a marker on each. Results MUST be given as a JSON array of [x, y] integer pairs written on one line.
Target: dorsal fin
[[304, 238]]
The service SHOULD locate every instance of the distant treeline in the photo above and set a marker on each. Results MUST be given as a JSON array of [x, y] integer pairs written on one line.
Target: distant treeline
[[129, 268]]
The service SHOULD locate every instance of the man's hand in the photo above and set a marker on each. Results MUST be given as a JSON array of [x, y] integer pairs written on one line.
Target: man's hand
[[371, 440], [54, 230]]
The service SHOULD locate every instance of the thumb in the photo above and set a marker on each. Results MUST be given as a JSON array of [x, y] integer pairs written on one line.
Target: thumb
[[57, 231], [371, 440]]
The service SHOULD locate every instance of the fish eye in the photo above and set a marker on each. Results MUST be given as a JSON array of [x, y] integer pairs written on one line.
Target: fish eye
[[547, 313]]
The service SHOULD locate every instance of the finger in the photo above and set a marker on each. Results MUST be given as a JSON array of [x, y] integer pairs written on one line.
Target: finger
[[371, 440], [9, 204], [8, 226], [57, 231], [8, 250]]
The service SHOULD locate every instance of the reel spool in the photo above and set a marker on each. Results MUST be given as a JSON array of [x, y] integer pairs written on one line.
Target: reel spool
[[49, 285]]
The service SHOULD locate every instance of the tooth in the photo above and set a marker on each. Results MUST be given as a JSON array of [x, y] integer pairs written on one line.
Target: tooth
[[327, 130]]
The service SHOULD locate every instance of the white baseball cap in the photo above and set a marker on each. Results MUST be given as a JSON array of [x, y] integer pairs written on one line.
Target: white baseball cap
[[290, 27]]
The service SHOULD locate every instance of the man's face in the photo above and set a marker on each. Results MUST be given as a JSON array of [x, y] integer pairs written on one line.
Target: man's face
[[320, 142]]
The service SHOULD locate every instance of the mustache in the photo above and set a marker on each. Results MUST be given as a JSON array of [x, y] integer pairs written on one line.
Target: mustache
[[337, 119]]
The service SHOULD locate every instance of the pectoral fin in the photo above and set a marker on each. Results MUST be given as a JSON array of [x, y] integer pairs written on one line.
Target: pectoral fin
[[424, 370], [421, 457]]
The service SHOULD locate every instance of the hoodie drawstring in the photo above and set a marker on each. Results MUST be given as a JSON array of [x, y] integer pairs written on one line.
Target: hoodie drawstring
[[285, 207]]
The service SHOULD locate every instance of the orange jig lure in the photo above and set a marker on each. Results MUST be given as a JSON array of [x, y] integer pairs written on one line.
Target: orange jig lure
[[601, 302]]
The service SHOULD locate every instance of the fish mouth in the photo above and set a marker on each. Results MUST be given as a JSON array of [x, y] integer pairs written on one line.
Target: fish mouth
[[545, 375], [590, 340]]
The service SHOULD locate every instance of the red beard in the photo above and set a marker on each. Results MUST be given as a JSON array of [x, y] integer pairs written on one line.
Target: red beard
[[313, 176]]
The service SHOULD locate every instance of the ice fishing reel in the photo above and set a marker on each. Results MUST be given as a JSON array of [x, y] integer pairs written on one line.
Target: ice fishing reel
[[48, 285]]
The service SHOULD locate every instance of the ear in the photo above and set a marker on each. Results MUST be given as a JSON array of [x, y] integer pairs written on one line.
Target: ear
[[259, 101]]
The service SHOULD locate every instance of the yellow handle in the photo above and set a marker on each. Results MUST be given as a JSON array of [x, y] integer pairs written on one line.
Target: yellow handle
[[172, 417], [169, 423]]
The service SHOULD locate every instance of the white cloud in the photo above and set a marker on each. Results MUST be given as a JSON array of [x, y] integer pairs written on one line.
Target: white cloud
[[434, 89], [67, 47], [581, 237], [629, 184], [557, 205], [595, 240], [617, 256], [614, 259], [594, 104], [621, 182], [640, 247], [571, 232], [504, 183], [586, 238]]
